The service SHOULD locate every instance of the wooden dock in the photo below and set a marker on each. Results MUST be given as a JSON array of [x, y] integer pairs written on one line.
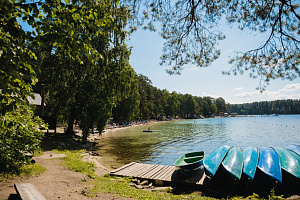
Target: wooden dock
[[159, 173]]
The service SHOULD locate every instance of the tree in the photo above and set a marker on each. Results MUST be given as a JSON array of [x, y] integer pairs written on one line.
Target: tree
[[17, 73], [82, 60], [173, 105], [128, 107], [221, 105], [191, 30]]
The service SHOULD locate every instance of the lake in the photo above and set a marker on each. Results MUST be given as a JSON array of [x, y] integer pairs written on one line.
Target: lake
[[172, 139]]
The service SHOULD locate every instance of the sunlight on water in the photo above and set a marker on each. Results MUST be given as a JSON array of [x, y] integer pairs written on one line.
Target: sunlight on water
[[172, 139]]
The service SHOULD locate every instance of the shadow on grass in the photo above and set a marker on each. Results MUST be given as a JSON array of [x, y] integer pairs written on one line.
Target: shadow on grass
[[62, 141]]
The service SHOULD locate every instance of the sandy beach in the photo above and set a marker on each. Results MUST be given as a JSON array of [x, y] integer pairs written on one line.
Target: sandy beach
[[58, 182]]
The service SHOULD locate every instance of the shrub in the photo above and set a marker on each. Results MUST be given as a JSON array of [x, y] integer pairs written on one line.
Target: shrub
[[19, 133]]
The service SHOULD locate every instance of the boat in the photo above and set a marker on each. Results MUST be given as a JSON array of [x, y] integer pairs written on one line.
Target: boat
[[233, 163], [295, 148], [269, 164], [189, 162], [250, 162], [290, 165], [289, 161], [147, 130], [213, 161]]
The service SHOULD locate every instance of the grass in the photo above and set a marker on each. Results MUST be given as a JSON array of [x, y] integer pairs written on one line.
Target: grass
[[73, 161], [113, 185], [120, 186], [24, 171]]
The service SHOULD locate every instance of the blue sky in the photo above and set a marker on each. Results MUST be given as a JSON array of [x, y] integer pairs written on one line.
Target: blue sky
[[209, 81]]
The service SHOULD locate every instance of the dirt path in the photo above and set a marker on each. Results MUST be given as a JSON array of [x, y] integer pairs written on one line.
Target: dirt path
[[57, 182]]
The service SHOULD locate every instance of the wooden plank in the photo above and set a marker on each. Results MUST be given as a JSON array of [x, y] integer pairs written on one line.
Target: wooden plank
[[168, 173], [158, 174], [164, 173], [128, 170], [136, 170], [27, 191], [154, 171], [133, 170], [169, 177], [121, 168], [144, 169], [152, 167]]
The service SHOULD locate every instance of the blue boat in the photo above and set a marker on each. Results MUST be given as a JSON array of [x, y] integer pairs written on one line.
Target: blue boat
[[213, 161], [233, 163], [250, 162], [295, 148], [269, 164]]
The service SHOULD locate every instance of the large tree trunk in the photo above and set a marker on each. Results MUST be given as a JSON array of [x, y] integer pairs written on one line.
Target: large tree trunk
[[70, 125], [43, 101], [85, 134]]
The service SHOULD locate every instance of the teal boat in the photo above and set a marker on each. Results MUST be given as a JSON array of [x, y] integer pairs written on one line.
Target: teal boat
[[289, 161], [213, 161], [189, 162], [250, 162], [295, 148], [233, 163]]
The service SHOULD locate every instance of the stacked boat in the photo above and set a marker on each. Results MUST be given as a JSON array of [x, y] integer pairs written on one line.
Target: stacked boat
[[263, 168]]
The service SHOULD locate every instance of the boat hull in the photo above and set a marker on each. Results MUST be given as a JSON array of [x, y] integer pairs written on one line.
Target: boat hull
[[250, 162], [233, 163], [289, 161], [295, 148], [188, 163], [213, 161]]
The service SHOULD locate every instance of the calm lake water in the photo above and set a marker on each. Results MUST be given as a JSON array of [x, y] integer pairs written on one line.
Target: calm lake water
[[172, 139]]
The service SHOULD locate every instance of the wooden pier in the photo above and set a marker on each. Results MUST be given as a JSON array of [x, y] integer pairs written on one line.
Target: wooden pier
[[161, 174]]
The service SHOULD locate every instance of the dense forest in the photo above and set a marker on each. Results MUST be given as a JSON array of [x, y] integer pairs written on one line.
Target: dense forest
[[289, 106], [154, 103]]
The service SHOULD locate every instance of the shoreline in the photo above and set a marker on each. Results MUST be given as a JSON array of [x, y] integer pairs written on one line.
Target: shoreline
[[96, 139], [92, 137]]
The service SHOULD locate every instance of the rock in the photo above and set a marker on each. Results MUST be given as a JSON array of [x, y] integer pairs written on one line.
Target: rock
[[139, 187], [132, 184], [294, 197], [135, 180], [162, 189], [145, 182]]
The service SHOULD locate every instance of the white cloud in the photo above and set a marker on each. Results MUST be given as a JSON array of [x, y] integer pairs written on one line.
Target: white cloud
[[291, 87], [291, 91], [239, 88]]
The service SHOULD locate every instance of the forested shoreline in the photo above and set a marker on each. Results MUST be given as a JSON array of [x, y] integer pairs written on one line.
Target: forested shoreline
[[288, 106], [155, 103]]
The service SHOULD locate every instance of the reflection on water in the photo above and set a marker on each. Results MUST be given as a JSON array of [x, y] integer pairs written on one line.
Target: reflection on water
[[171, 139]]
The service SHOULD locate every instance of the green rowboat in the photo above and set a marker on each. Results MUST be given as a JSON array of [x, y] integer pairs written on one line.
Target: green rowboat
[[189, 162]]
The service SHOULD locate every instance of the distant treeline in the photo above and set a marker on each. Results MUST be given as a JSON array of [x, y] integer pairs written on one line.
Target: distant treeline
[[288, 106], [155, 103]]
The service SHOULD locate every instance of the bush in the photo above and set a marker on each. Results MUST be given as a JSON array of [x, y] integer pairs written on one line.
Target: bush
[[19, 133]]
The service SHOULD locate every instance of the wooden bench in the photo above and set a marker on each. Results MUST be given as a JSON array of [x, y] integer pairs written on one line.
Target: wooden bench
[[27, 191]]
